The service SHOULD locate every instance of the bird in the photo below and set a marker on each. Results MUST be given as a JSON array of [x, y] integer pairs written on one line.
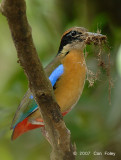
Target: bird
[[67, 74]]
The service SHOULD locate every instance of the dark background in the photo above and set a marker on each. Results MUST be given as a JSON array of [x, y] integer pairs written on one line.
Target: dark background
[[95, 124]]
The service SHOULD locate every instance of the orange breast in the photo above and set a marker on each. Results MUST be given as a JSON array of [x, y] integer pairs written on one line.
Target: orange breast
[[70, 86]]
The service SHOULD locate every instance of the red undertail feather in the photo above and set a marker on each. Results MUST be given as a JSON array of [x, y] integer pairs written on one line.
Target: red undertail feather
[[23, 127]]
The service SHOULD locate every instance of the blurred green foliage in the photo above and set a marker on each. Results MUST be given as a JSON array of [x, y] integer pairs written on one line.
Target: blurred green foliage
[[95, 125]]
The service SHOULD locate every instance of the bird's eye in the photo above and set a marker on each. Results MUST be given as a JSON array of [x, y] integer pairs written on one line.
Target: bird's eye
[[73, 33]]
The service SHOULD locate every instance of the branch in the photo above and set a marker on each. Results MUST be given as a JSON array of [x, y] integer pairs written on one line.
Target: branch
[[15, 12]]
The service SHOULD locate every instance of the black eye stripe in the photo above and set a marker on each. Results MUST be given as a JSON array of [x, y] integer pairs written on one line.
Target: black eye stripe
[[68, 38], [70, 34], [73, 33]]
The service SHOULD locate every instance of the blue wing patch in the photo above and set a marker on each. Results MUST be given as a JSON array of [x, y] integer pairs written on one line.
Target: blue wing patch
[[54, 76], [31, 97]]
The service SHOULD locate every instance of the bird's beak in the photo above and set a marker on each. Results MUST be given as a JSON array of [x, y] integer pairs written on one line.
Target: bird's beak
[[95, 38]]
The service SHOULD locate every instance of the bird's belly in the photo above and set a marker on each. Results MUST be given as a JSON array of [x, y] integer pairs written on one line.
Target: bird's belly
[[70, 87]]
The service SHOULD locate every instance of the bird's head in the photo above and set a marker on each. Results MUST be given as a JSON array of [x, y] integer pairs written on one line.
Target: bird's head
[[74, 38], [77, 38]]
